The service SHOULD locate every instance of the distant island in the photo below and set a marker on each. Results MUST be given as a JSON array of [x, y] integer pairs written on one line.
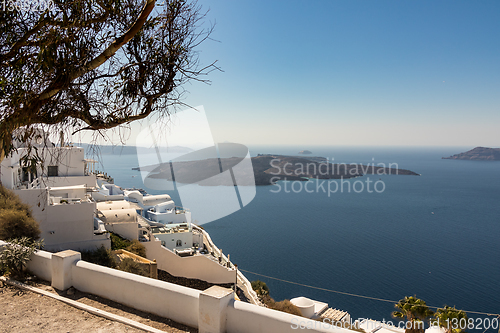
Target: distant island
[[268, 169], [305, 152], [478, 154]]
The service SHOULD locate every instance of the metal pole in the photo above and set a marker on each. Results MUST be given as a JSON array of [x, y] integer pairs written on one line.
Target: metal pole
[[236, 282]]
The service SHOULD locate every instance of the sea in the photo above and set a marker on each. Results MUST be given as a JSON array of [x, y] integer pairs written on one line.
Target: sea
[[436, 236]]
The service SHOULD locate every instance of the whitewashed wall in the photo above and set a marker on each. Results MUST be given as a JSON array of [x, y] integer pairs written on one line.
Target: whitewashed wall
[[194, 267], [41, 263], [158, 297], [88, 181], [170, 240], [127, 230], [243, 317], [213, 310], [65, 225]]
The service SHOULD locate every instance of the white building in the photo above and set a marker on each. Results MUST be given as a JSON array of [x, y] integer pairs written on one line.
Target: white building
[[57, 192], [76, 209], [135, 215]]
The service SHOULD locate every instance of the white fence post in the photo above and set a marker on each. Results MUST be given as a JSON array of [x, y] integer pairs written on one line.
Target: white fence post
[[62, 263], [213, 308]]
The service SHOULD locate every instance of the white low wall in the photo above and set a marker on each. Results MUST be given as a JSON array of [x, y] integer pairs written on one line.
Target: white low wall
[[213, 310], [41, 263], [193, 267], [243, 317], [158, 297]]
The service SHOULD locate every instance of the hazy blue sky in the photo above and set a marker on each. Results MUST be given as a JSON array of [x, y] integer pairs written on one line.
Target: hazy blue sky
[[353, 72]]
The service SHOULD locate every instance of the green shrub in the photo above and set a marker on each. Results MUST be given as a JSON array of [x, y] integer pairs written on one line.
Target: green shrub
[[118, 243], [17, 223], [16, 254], [260, 288], [132, 266], [137, 248], [100, 256]]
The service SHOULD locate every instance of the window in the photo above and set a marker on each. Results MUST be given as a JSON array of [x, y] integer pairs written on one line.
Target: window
[[52, 171], [179, 243]]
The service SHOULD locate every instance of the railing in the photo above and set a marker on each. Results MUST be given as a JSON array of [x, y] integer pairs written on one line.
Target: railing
[[35, 183], [243, 282]]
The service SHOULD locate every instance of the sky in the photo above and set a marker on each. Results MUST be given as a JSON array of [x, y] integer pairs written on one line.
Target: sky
[[351, 72]]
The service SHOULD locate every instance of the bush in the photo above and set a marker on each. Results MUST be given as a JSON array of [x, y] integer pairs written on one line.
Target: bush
[[137, 248], [16, 220], [286, 306], [8, 199], [16, 254], [262, 291], [100, 256], [260, 288], [132, 266], [118, 243], [16, 224]]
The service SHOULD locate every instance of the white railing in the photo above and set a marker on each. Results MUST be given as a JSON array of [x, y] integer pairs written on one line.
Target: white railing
[[244, 284], [35, 183]]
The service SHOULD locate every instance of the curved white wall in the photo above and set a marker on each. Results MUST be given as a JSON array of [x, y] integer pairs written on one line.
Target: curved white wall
[[305, 305]]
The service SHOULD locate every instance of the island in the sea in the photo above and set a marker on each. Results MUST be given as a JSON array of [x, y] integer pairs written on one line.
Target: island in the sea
[[267, 169], [305, 152], [478, 154]]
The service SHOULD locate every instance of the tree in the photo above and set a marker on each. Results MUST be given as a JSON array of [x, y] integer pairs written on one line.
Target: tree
[[450, 319], [415, 311], [94, 64]]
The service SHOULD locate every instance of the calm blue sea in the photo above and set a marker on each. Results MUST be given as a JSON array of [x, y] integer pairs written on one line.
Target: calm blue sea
[[435, 235]]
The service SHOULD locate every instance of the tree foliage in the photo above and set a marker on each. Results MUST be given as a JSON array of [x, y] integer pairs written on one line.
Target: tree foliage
[[415, 311], [449, 317], [95, 64], [260, 288]]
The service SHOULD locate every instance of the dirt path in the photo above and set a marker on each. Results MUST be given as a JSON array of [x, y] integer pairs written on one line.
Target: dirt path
[[24, 311]]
